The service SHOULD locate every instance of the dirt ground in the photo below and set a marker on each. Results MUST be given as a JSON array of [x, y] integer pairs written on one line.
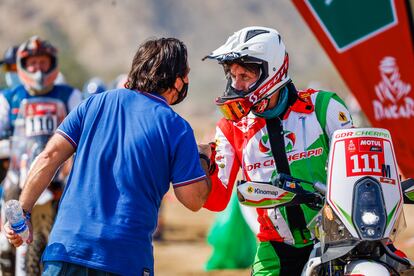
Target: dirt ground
[[184, 250]]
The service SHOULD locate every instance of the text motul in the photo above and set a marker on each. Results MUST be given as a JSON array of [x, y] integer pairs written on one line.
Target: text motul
[[371, 143]]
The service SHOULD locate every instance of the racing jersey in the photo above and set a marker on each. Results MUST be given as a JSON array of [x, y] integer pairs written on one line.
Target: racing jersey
[[11, 100], [27, 122], [308, 123]]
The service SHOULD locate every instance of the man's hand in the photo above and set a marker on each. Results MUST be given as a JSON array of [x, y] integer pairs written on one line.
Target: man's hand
[[209, 150], [14, 238], [205, 149]]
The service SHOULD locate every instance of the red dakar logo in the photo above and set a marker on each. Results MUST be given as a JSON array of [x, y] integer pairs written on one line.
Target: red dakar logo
[[392, 92]]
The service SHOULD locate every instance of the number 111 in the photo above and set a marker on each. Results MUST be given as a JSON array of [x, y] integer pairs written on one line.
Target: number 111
[[367, 164]]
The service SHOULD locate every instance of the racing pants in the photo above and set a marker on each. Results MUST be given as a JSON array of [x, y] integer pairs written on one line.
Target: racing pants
[[277, 258]]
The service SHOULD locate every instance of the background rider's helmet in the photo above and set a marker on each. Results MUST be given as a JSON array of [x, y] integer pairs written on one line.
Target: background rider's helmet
[[9, 67], [37, 82], [9, 59], [259, 45], [60, 79], [93, 86], [119, 82]]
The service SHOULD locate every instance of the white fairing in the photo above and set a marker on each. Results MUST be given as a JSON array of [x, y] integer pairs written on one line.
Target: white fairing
[[357, 153], [311, 265], [366, 268], [358, 267]]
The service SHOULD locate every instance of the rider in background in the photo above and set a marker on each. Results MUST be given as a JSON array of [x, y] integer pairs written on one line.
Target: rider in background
[[37, 68], [12, 80], [10, 68], [93, 86], [118, 82], [261, 103]]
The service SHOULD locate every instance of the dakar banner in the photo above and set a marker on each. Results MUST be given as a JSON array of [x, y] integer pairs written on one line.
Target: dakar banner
[[371, 44]]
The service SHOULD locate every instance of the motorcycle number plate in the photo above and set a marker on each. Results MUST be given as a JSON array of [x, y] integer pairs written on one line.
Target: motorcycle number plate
[[364, 156], [41, 119]]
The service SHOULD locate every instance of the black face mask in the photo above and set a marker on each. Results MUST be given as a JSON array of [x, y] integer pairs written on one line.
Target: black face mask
[[4, 165], [182, 93]]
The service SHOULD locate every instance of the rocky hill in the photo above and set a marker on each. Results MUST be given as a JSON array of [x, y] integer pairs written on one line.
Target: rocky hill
[[100, 37]]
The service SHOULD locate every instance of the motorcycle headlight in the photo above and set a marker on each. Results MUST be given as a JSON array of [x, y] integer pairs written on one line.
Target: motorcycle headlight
[[370, 218], [369, 215]]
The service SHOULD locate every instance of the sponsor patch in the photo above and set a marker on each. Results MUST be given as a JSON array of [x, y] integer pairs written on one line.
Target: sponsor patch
[[291, 185], [387, 180], [368, 145], [259, 191], [342, 117], [290, 140], [250, 189], [305, 154]]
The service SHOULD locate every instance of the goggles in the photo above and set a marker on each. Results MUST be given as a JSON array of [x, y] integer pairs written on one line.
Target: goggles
[[234, 109], [10, 67]]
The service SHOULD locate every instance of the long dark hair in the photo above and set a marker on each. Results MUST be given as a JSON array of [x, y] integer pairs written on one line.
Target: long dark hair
[[157, 64]]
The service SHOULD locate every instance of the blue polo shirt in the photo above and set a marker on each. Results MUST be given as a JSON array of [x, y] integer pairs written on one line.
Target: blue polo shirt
[[129, 147]]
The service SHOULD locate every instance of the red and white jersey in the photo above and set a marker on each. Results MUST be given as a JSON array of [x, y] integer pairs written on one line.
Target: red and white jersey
[[245, 144]]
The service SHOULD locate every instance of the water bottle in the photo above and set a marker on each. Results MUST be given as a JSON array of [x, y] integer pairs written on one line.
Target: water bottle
[[14, 215]]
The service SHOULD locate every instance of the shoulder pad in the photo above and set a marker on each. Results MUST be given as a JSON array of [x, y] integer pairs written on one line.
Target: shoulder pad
[[306, 94], [304, 103]]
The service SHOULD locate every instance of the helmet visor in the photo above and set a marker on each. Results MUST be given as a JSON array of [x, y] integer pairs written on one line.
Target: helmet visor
[[233, 109], [10, 67]]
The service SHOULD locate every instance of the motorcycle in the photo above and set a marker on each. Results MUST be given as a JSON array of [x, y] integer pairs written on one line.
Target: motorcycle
[[36, 122], [361, 206]]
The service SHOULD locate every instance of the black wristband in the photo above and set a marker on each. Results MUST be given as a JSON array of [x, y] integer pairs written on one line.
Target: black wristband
[[205, 158]]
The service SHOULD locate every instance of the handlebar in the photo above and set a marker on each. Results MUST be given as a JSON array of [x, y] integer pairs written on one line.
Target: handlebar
[[286, 190], [285, 178]]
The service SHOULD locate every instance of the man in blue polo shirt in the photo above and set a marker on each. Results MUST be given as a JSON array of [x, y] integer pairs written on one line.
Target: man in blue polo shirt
[[130, 145]]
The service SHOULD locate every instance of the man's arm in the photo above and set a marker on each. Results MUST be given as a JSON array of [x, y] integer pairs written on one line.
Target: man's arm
[[57, 150], [5, 126], [193, 196]]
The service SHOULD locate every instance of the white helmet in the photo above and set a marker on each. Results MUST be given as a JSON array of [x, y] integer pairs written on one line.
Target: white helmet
[[259, 45]]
